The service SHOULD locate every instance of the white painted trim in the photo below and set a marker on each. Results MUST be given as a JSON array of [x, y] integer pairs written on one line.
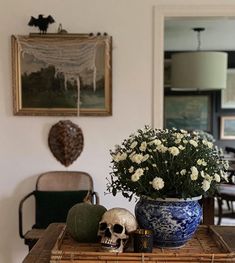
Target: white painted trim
[[160, 13]]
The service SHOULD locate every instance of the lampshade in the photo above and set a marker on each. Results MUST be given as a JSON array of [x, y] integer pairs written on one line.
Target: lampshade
[[199, 70]]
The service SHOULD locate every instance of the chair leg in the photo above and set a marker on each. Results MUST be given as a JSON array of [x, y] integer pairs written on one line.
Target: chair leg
[[220, 203], [228, 205]]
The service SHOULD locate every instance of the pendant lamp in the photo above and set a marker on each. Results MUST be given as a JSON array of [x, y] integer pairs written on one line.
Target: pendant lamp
[[199, 70]]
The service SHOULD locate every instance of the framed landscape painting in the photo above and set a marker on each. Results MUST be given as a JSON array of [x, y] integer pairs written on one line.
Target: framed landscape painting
[[189, 112], [227, 128], [62, 75]]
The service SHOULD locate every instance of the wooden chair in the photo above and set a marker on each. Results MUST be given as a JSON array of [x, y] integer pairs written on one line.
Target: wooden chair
[[227, 191], [227, 196], [55, 193]]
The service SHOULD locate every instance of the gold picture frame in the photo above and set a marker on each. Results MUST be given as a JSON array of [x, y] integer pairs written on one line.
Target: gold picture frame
[[62, 75], [227, 128]]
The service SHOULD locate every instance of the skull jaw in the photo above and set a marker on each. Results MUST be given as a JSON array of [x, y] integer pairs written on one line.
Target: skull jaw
[[109, 246]]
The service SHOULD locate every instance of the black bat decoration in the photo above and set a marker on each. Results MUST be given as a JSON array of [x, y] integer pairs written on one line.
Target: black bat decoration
[[41, 22]]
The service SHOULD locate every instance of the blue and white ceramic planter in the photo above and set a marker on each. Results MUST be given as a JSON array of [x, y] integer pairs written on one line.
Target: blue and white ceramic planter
[[172, 220]]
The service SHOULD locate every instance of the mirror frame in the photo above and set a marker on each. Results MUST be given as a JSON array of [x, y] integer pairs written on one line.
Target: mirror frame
[[160, 13]]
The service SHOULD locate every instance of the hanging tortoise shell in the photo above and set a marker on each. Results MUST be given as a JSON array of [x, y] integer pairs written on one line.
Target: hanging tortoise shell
[[66, 141]]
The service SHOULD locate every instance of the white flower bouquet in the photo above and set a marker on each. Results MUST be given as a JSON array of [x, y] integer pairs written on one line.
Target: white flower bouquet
[[166, 163]]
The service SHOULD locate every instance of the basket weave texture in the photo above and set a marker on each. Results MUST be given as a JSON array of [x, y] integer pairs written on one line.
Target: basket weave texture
[[206, 246]]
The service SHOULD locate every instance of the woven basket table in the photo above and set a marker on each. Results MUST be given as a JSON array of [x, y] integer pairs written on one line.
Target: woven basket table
[[207, 245]]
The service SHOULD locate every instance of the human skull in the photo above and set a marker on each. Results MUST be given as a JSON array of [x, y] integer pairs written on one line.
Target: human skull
[[115, 227]]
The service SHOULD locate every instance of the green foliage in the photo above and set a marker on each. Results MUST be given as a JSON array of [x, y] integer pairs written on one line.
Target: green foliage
[[166, 163]]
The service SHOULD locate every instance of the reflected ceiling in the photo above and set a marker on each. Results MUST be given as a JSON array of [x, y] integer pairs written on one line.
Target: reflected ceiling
[[219, 33]]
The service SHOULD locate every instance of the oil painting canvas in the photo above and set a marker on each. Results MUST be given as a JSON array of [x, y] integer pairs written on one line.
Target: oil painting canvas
[[227, 128], [188, 112]]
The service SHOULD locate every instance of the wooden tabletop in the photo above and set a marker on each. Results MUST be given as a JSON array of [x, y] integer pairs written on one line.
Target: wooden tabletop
[[41, 252]]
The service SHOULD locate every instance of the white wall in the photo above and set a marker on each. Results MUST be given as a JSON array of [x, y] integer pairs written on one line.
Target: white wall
[[24, 152]]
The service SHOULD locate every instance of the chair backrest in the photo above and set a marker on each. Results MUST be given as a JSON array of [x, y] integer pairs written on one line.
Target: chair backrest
[[64, 181], [57, 191]]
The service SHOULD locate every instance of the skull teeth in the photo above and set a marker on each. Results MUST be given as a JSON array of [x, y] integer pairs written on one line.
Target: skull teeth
[[107, 242]]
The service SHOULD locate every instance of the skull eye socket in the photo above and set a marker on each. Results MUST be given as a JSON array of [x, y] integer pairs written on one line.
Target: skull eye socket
[[103, 226], [117, 229]]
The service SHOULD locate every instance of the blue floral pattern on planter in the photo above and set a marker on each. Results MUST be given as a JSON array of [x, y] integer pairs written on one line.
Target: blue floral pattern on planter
[[173, 222]]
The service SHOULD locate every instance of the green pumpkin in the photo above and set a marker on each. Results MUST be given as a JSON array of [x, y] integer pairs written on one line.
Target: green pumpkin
[[83, 221]]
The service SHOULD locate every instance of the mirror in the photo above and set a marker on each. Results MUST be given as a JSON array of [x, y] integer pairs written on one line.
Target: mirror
[[162, 13], [194, 110], [179, 35]]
